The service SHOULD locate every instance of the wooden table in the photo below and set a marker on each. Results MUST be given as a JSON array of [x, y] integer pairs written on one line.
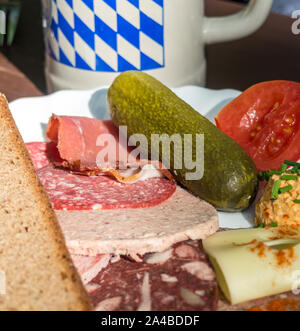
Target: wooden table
[[13, 83], [273, 52]]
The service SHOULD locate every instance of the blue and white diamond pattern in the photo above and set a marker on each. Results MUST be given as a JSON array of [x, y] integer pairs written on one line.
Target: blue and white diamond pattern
[[108, 35]]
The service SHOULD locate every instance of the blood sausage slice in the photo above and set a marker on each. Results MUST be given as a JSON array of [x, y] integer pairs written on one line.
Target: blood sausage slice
[[178, 279], [88, 267]]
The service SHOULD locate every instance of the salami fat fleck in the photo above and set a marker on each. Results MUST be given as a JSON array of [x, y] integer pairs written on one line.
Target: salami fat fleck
[[38, 154], [177, 279], [69, 191]]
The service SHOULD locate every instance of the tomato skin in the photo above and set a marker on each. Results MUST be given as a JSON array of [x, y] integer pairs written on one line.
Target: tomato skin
[[265, 121]]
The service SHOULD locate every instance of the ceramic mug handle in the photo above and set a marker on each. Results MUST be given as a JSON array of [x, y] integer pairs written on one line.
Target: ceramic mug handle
[[242, 24]]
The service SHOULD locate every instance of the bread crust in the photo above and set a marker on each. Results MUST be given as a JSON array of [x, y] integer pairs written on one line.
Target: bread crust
[[39, 272]]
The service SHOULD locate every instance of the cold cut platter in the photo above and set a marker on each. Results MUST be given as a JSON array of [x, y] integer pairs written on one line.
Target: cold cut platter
[[191, 231]]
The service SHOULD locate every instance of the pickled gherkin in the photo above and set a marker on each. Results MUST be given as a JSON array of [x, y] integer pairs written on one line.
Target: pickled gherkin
[[148, 107]]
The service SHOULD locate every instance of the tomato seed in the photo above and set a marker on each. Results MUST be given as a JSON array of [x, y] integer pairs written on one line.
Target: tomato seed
[[288, 131], [289, 120]]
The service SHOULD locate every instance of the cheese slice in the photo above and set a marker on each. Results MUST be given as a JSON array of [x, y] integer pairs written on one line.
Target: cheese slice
[[254, 263]]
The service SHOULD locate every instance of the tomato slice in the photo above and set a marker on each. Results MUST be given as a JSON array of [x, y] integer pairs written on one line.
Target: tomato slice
[[265, 121]]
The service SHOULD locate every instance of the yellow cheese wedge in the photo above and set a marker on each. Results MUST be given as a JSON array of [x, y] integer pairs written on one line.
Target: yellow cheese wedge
[[254, 263]]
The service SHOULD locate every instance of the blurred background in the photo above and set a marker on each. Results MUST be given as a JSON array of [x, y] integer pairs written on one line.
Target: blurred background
[[285, 7], [27, 50]]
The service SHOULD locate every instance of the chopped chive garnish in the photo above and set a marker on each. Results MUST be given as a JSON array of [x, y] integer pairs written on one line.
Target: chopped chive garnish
[[274, 225], [293, 172], [289, 177], [273, 172], [285, 189], [270, 173], [297, 201], [283, 168], [293, 164], [275, 190]]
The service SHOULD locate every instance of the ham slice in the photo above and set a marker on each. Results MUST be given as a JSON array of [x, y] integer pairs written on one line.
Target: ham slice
[[79, 141]]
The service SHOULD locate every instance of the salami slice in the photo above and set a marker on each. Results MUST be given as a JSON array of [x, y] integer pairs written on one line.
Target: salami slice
[[175, 280], [69, 191], [38, 154]]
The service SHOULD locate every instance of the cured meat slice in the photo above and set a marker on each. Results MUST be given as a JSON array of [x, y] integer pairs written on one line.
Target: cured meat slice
[[38, 154], [69, 191], [91, 146], [46, 153], [176, 280], [88, 267], [80, 139]]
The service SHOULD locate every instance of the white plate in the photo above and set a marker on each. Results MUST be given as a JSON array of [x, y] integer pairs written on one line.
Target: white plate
[[32, 115]]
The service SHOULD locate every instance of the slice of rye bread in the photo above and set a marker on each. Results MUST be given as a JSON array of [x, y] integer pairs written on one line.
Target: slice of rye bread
[[139, 231], [36, 269]]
